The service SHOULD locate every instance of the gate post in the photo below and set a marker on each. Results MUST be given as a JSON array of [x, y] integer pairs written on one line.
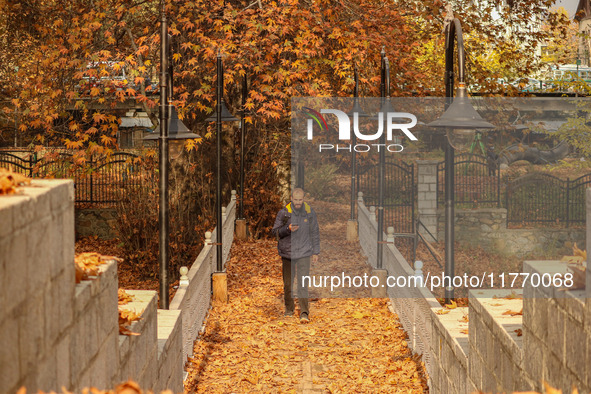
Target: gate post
[[427, 196]]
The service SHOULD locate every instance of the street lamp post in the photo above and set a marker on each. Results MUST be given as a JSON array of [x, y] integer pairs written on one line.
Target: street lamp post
[[356, 111], [170, 127], [382, 159], [222, 115], [459, 114], [241, 221], [386, 107]]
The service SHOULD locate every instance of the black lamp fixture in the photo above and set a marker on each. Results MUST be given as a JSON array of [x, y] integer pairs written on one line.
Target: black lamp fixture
[[459, 114], [176, 129], [221, 115], [226, 115], [170, 127]]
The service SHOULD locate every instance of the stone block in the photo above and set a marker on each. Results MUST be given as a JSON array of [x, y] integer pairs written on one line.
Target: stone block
[[77, 356], [98, 368], [573, 302], [423, 187], [489, 383], [82, 296], [4, 296], [55, 253], [555, 373], [587, 366], [475, 368], [508, 372], [69, 238], [64, 286], [39, 252], [7, 207], [53, 328], [63, 362], [31, 327], [110, 347], [62, 193], [556, 331], [537, 320], [534, 357], [10, 369], [429, 179], [576, 350], [16, 270], [108, 315], [25, 212], [46, 375]]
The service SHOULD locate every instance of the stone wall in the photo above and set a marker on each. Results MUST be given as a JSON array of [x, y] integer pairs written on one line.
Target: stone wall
[[54, 332], [100, 222], [487, 227]]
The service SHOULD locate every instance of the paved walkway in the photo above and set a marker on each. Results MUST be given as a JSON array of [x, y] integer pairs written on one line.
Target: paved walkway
[[350, 345]]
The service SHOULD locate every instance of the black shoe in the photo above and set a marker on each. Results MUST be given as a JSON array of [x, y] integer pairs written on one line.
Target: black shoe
[[304, 318]]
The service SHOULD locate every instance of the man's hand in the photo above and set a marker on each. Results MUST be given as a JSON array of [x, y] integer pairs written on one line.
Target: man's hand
[[314, 258], [293, 227]]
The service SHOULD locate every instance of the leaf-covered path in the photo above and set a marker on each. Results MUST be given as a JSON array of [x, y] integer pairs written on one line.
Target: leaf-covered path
[[350, 345]]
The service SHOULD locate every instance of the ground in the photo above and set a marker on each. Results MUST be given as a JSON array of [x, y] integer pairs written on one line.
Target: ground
[[350, 344]]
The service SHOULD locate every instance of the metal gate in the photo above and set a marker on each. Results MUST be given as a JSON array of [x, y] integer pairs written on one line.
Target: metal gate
[[399, 194]]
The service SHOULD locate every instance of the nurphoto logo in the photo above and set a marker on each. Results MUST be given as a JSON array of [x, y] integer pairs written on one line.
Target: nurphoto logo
[[394, 121]]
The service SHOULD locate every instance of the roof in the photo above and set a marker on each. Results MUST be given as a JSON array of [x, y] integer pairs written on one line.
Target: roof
[[583, 10]]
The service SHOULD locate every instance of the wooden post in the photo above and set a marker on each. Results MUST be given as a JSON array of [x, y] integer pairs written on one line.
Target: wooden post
[[352, 230], [241, 229], [381, 291], [220, 287]]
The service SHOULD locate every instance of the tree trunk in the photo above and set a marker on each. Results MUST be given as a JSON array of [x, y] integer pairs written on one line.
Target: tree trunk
[[533, 155]]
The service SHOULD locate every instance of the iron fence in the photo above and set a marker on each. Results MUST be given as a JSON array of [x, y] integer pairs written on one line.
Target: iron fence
[[99, 182], [477, 181], [545, 199]]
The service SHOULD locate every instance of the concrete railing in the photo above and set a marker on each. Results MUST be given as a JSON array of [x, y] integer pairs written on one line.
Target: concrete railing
[[194, 294], [412, 304]]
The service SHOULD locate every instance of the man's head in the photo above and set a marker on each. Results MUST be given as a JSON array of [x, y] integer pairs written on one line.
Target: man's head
[[297, 198]]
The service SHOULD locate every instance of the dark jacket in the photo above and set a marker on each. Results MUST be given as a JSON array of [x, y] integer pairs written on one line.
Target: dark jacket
[[305, 241]]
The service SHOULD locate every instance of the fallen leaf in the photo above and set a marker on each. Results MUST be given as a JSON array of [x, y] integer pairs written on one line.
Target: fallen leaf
[[513, 313], [451, 305], [519, 332], [442, 311], [551, 390]]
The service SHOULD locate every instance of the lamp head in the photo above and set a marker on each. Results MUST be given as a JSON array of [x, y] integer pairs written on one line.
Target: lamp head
[[176, 129], [461, 114], [226, 115]]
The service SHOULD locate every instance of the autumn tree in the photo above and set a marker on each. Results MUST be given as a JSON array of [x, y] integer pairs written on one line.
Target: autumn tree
[[285, 48]]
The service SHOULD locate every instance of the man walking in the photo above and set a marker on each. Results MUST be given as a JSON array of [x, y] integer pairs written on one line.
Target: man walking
[[296, 229]]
